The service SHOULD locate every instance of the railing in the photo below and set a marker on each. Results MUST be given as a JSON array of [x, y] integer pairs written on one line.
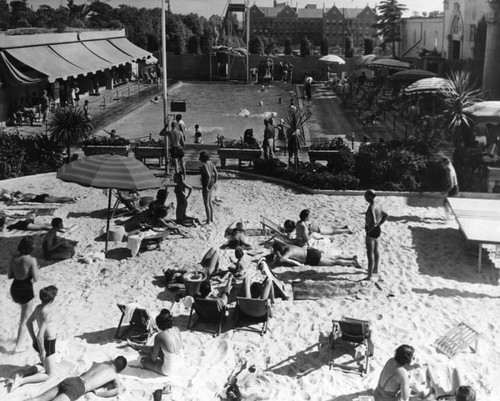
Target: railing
[[125, 92]]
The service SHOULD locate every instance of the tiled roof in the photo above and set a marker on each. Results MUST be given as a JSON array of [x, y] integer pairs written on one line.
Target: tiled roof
[[310, 13], [271, 12]]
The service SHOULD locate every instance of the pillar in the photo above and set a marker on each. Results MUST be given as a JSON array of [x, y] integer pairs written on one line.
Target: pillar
[[491, 77]]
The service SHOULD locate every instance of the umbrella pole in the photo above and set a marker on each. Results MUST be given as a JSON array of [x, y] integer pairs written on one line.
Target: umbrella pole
[[107, 222]]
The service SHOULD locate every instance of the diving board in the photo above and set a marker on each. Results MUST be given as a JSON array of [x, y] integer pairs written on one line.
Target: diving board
[[479, 220]]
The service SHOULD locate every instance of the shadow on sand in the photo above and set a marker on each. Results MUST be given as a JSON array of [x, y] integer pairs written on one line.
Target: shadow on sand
[[442, 252]]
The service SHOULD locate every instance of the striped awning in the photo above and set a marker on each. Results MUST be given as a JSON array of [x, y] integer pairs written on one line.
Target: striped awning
[[389, 64], [485, 112], [427, 85]]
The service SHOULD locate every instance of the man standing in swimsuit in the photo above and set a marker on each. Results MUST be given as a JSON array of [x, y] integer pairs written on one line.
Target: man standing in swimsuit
[[209, 177], [313, 257], [374, 218], [44, 343], [101, 379]]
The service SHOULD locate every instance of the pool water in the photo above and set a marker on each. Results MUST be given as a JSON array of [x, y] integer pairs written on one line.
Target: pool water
[[226, 109]]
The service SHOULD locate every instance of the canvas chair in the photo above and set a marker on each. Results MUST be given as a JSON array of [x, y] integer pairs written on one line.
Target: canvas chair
[[268, 225], [207, 310], [252, 310], [459, 339], [356, 332], [130, 203], [140, 322], [154, 242]]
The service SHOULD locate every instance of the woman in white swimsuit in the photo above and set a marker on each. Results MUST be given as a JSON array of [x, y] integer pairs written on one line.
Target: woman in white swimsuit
[[165, 356]]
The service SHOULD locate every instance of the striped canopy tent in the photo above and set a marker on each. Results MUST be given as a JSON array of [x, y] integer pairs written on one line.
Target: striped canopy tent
[[389, 64], [410, 76], [485, 112], [427, 85], [109, 172]]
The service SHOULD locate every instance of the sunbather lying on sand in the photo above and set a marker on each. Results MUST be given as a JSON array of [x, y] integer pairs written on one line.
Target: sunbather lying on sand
[[19, 196], [25, 225], [235, 234], [306, 230], [313, 257]]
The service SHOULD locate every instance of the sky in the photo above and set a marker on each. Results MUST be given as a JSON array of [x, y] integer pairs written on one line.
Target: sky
[[210, 7]]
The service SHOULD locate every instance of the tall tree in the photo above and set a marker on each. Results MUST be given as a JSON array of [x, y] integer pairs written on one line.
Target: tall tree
[[388, 23], [256, 46], [19, 13], [305, 47], [324, 46], [288, 46], [4, 15]]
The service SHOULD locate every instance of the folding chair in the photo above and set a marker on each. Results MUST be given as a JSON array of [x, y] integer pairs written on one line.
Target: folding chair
[[251, 310], [268, 225], [352, 331], [128, 202], [208, 310], [458, 339], [140, 321]]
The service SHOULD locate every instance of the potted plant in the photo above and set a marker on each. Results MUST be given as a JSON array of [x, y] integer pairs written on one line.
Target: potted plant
[[149, 149], [325, 149], [98, 145], [67, 126], [237, 149]]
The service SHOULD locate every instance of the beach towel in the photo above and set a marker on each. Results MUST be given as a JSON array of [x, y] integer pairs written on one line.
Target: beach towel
[[310, 289]]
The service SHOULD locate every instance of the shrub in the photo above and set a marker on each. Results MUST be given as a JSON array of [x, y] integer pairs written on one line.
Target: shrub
[[269, 166], [105, 141], [151, 143], [344, 162], [12, 156]]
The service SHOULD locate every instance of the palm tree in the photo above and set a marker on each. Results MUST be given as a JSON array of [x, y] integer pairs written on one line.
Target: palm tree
[[68, 126], [460, 92], [294, 122]]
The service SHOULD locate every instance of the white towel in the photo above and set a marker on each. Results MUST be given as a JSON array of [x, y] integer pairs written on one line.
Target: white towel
[[134, 242], [129, 311]]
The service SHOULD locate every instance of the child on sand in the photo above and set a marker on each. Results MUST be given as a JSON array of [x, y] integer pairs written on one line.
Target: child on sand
[[180, 193], [44, 342], [240, 265]]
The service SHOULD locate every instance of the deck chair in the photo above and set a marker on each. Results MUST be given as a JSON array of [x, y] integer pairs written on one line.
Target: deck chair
[[140, 323], [356, 332], [268, 225], [251, 310], [207, 311], [154, 242], [459, 339], [130, 204]]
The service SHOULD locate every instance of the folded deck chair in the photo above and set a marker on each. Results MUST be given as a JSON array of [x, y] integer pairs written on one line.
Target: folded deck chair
[[209, 311], [356, 332], [139, 321], [459, 339], [251, 310], [268, 225]]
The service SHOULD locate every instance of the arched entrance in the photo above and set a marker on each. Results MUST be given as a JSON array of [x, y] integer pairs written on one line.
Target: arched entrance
[[456, 34]]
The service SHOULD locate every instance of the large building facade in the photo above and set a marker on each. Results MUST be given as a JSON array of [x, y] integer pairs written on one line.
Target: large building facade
[[283, 21], [420, 34]]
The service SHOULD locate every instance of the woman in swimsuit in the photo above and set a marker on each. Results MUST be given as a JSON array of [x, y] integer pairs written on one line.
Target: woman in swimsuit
[[24, 270], [394, 382], [313, 257], [165, 355], [44, 342], [305, 230], [374, 218]]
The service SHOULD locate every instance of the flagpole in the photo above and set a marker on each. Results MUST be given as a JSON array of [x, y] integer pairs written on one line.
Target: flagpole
[[164, 71]]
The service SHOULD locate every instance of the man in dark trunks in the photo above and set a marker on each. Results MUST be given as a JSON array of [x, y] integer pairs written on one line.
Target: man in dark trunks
[[101, 379], [374, 218], [312, 257]]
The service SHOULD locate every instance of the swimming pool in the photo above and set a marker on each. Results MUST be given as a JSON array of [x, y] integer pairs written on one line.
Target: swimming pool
[[225, 108]]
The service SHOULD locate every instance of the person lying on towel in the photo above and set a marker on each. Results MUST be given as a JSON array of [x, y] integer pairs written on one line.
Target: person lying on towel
[[297, 256]]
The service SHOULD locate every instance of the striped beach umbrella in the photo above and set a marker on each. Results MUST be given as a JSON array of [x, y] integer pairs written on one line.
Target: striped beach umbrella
[[485, 112], [364, 60], [109, 172], [411, 75], [332, 58], [389, 64], [427, 85]]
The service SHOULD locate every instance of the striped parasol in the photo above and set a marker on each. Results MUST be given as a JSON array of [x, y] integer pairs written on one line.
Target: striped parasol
[[109, 172], [427, 85], [332, 58], [389, 64], [364, 60], [411, 75], [485, 112]]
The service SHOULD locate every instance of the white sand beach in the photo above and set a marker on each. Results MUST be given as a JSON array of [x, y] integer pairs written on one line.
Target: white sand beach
[[428, 283]]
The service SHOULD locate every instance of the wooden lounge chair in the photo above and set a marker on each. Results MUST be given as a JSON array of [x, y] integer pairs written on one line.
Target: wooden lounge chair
[[140, 322], [129, 202], [268, 225], [356, 332], [459, 339], [208, 311], [251, 310]]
